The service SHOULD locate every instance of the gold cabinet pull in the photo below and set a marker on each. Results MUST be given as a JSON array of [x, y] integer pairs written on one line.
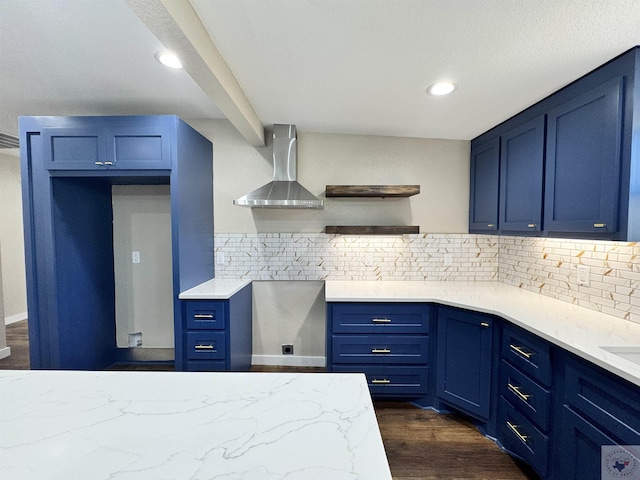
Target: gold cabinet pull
[[100, 164], [381, 320], [383, 381], [203, 316], [514, 429], [520, 351], [484, 324], [204, 347], [108, 164], [519, 394], [532, 225], [380, 350], [491, 225], [599, 225]]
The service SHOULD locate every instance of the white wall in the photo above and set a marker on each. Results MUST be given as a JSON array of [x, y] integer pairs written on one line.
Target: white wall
[[144, 291], [440, 167], [293, 311], [11, 237]]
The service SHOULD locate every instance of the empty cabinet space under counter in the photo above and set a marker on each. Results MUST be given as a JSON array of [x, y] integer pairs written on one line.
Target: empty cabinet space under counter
[[216, 321]]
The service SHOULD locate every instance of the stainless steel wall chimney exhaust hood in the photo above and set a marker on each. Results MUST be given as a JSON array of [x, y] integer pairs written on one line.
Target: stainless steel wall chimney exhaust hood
[[284, 191]]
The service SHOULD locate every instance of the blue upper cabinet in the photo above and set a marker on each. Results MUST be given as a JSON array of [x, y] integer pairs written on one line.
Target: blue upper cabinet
[[521, 176], [583, 162], [105, 148], [578, 176], [485, 172]]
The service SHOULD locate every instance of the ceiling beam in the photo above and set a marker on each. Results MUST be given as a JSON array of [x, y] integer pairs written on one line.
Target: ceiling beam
[[177, 25]]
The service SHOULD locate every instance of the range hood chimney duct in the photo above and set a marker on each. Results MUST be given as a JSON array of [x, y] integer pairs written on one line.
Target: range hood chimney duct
[[284, 191]]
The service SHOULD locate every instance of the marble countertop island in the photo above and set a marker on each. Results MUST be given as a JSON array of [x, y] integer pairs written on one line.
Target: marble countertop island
[[589, 334], [64, 425]]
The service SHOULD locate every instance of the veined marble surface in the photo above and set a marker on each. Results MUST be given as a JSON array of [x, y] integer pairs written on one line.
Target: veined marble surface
[[577, 329], [215, 289], [71, 425]]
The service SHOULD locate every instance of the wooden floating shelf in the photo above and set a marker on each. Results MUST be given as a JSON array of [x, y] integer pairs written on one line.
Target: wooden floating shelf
[[371, 190], [372, 230]]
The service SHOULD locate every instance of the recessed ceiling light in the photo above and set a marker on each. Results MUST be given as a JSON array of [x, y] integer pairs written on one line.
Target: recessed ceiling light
[[169, 59], [441, 88]]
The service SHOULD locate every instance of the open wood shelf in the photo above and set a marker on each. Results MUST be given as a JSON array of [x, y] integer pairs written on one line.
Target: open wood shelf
[[372, 229], [381, 191]]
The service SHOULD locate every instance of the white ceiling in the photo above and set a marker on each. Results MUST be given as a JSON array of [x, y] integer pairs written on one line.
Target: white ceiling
[[343, 66]]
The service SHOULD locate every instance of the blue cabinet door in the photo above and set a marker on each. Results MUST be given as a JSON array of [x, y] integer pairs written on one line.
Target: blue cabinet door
[[583, 162], [464, 361], [484, 189], [107, 148], [521, 173]]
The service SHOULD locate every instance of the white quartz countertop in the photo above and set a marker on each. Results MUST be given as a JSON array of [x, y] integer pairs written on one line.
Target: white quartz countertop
[[577, 329], [63, 425], [215, 289]]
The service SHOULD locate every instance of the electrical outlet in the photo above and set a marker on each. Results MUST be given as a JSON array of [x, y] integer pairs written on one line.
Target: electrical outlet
[[135, 257], [287, 348], [220, 259], [448, 259], [583, 275]]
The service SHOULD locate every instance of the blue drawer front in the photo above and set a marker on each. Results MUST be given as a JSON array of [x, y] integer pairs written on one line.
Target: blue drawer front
[[206, 366], [525, 395], [520, 437], [205, 315], [392, 381], [529, 353], [608, 401], [206, 345], [380, 318], [388, 349]]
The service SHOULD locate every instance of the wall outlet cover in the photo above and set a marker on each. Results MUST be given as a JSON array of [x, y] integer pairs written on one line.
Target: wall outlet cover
[[583, 275], [287, 349]]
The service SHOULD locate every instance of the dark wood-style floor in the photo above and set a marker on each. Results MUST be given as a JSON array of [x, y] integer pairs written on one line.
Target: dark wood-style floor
[[420, 444]]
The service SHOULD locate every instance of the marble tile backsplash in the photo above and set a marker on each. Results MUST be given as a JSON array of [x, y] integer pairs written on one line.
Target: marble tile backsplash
[[318, 256], [550, 267], [543, 265]]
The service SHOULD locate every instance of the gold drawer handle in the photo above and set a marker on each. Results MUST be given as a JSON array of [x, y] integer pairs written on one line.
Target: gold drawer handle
[[108, 164], [204, 347], [531, 225], [491, 225], [100, 164], [484, 324], [514, 429], [520, 351], [599, 225], [203, 316], [384, 381], [381, 320], [380, 350], [523, 396]]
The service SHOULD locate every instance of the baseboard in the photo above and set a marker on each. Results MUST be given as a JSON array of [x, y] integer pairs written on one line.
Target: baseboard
[[288, 360], [5, 352], [18, 317]]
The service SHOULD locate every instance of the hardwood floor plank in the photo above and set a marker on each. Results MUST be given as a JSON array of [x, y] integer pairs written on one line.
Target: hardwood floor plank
[[420, 444]]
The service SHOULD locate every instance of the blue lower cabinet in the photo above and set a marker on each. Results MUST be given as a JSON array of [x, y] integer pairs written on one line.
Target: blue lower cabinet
[[206, 345], [217, 333], [388, 342], [464, 371], [380, 349], [580, 454], [386, 381], [520, 437], [599, 409]]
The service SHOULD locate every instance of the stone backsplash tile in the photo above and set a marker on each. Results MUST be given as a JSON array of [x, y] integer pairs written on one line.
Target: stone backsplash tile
[[543, 265]]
